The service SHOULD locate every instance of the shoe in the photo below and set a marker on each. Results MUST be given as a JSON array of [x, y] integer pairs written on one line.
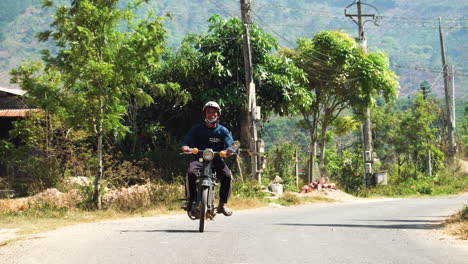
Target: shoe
[[186, 206], [224, 210]]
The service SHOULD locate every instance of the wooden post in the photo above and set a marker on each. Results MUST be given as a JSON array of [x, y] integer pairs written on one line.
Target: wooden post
[[297, 168], [448, 82]]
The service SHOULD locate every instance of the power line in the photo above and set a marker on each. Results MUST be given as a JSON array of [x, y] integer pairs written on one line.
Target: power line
[[220, 5], [458, 73], [424, 19], [320, 13], [340, 16], [316, 59]]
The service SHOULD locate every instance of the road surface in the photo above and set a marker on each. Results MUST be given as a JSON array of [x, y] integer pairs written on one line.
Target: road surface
[[374, 231]]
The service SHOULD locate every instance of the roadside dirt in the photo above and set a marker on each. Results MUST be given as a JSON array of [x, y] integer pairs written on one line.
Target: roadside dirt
[[7, 234], [338, 195]]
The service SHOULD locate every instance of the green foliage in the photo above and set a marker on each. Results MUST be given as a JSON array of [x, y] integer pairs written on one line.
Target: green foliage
[[340, 76], [407, 136], [281, 129], [41, 151], [47, 212], [288, 199], [348, 175], [210, 66], [167, 195], [87, 202], [97, 69], [464, 213], [281, 162], [396, 38], [344, 124], [247, 189], [446, 182], [333, 161], [464, 135]]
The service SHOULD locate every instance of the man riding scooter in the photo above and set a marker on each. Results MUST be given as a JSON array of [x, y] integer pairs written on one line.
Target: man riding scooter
[[209, 134]]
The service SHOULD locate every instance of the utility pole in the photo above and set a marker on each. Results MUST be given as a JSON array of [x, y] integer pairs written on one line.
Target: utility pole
[[253, 112], [425, 92], [449, 98], [366, 130]]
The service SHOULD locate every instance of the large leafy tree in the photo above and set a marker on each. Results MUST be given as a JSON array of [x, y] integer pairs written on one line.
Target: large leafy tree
[[98, 67], [407, 136], [340, 76], [210, 66]]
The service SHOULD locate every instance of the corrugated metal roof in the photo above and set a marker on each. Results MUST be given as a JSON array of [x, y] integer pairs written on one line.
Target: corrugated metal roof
[[14, 112], [12, 90]]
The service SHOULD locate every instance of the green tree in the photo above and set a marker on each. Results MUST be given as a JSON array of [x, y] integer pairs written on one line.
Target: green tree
[[340, 76], [464, 135], [210, 66], [406, 136], [97, 68], [281, 162]]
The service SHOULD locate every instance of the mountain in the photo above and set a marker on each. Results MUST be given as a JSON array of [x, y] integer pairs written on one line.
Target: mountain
[[407, 30]]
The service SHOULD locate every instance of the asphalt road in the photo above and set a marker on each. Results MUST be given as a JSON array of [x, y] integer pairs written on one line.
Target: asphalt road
[[376, 231]]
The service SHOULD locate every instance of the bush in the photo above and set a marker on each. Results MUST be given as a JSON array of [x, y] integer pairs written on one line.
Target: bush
[[446, 182], [349, 176], [281, 162], [247, 189], [167, 194], [289, 199]]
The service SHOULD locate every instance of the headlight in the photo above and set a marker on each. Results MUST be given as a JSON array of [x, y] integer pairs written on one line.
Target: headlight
[[208, 154]]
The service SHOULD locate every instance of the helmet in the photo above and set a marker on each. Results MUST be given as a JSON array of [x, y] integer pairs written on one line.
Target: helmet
[[212, 104]]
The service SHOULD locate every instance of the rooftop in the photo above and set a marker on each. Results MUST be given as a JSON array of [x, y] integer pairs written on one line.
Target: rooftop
[[15, 91]]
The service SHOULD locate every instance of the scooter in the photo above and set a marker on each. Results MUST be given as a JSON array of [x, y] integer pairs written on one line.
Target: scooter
[[203, 207]]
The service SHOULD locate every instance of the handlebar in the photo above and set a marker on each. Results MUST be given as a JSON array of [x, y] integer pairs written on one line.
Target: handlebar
[[222, 153]]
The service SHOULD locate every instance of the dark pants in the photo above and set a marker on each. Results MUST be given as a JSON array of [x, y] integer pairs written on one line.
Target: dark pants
[[223, 173]]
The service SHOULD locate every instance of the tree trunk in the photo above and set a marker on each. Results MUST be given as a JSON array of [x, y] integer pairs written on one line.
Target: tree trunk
[[132, 114], [416, 164], [245, 137], [100, 171], [323, 142], [313, 153]]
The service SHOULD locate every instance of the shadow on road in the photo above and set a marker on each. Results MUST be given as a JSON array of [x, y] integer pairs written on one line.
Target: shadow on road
[[394, 226], [161, 231], [401, 220]]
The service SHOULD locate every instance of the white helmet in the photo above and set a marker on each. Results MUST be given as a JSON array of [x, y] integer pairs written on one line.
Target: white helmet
[[212, 104]]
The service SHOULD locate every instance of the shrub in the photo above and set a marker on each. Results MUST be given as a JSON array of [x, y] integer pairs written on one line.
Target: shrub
[[289, 199], [281, 162], [349, 176], [247, 189]]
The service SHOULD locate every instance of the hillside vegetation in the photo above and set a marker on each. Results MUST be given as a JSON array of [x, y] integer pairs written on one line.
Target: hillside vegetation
[[116, 102], [407, 31]]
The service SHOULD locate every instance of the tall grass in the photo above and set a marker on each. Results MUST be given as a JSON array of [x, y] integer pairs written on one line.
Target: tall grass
[[448, 181], [457, 224]]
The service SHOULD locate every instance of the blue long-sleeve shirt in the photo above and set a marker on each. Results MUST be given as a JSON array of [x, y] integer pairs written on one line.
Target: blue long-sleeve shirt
[[202, 137]]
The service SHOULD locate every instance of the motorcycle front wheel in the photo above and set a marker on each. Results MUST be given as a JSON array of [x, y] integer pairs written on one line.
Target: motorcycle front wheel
[[203, 206]]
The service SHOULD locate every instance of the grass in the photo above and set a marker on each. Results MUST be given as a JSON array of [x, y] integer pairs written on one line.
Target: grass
[[446, 182], [457, 224], [290, 199]]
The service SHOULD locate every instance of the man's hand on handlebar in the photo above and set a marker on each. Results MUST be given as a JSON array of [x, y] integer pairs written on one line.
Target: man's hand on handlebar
[[229, 152], [185, 149]]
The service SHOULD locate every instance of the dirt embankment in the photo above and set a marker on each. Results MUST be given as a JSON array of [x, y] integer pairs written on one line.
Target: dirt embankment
[[338, 195]]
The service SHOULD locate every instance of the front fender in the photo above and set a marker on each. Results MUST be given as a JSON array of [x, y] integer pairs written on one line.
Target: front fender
[[206, 181]]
